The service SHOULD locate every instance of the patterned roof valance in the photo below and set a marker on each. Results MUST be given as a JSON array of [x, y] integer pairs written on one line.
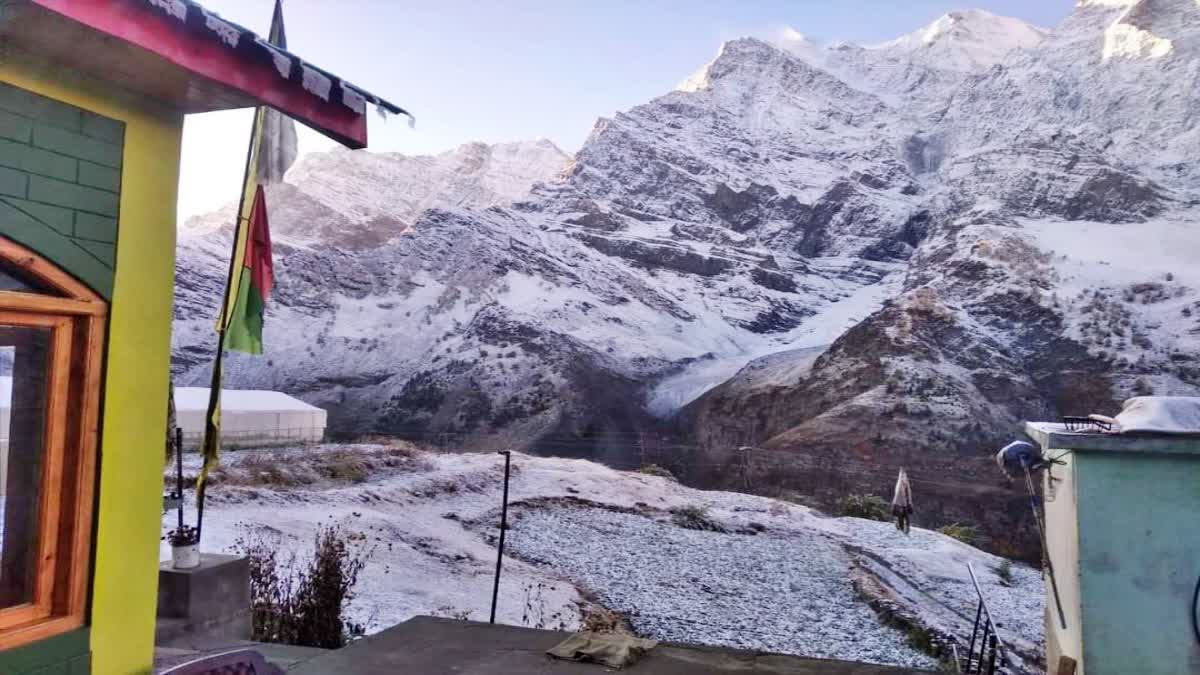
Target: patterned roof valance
[[317, 82]]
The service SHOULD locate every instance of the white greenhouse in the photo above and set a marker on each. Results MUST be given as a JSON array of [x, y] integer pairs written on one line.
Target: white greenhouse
[[250, 417]]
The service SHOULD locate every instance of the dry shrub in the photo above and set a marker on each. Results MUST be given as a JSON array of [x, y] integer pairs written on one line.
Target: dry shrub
[[967, 534], [598, 619], [695, 517], [656, 470], [304, 603], [343, 466], [1004, 572], [871, 507]]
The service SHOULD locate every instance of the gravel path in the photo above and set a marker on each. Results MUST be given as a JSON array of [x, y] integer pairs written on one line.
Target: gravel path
[[785, 592]]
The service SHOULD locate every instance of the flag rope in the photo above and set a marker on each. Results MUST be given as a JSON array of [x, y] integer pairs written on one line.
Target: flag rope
[[211, 447]]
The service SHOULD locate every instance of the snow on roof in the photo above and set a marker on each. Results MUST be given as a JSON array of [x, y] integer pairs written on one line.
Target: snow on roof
[[196, 398]]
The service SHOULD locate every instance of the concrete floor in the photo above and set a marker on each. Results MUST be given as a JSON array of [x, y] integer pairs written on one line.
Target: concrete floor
[[435, 646], [182, 651]]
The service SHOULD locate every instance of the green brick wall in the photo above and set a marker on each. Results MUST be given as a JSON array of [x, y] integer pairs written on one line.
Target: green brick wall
[[60, 183], [65, 654]]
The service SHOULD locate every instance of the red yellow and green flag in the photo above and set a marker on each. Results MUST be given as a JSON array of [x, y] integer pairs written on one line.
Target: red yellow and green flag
[[255, 276], [251, 274]]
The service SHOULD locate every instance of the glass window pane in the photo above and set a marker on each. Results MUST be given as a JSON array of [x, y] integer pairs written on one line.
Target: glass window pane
[[24, 363], [13, 279]]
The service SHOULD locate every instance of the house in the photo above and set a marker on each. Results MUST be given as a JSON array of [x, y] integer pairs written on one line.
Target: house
[[92, 99], [1120, 513], [249, 417]]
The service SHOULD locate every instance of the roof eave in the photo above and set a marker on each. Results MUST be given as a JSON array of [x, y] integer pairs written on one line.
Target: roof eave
[[119, 41]]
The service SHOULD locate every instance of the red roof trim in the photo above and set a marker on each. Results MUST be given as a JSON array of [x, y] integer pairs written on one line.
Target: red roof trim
[[170, 40]]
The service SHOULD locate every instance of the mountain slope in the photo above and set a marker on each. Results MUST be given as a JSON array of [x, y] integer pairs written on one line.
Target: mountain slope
[[1012, 308]]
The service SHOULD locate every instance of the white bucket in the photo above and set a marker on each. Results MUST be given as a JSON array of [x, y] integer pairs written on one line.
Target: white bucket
[[185, 557]]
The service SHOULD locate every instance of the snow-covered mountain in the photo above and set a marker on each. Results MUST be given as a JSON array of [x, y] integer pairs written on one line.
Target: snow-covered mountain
[[358, 199], [850, 257]]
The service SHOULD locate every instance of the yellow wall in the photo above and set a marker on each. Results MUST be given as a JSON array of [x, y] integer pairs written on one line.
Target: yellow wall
[[125, 582]]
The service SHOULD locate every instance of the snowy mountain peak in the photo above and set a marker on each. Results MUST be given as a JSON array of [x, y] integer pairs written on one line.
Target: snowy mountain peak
[[1153, 30], [358, 198], [732, 55], [364, 186], [968, 40]]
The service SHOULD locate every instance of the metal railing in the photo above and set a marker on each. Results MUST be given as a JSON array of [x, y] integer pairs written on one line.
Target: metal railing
[[991, 654]]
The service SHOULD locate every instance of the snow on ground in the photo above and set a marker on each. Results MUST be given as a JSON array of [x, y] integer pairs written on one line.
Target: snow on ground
[[788, 592], [581, 531], [1088, 253], [1146, 275]]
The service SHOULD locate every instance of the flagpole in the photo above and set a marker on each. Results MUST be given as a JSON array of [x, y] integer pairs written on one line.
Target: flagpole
[[215, 383]]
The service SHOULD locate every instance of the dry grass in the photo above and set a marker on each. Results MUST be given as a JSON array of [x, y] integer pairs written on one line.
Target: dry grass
[[349, 464], [266, 469]]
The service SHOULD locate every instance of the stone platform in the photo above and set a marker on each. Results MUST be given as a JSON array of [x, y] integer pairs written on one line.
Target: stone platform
[[205, 604]]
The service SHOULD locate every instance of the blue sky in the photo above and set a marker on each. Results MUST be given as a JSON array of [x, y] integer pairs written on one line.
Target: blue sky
[[519, 69]]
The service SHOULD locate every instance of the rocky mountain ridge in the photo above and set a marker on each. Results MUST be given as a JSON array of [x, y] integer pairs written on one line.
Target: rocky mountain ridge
[[851, 258]]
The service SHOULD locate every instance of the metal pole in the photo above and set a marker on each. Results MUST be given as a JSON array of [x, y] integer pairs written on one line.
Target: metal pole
[[974, 632], [992, 655], [503, 527], [179, 471], [1037, 519]]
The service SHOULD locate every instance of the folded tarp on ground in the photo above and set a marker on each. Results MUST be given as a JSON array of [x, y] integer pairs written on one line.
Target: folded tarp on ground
[[614, 650]]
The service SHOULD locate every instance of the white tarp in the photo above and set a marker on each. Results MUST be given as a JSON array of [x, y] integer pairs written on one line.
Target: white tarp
[[250, 417], [1160, 414]]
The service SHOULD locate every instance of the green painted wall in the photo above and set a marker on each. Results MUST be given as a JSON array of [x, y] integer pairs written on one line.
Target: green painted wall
[[1139, 558], [60, 183], [65, 654]]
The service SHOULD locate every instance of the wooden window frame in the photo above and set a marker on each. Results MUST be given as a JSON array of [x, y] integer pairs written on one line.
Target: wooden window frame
[[76, 318]]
